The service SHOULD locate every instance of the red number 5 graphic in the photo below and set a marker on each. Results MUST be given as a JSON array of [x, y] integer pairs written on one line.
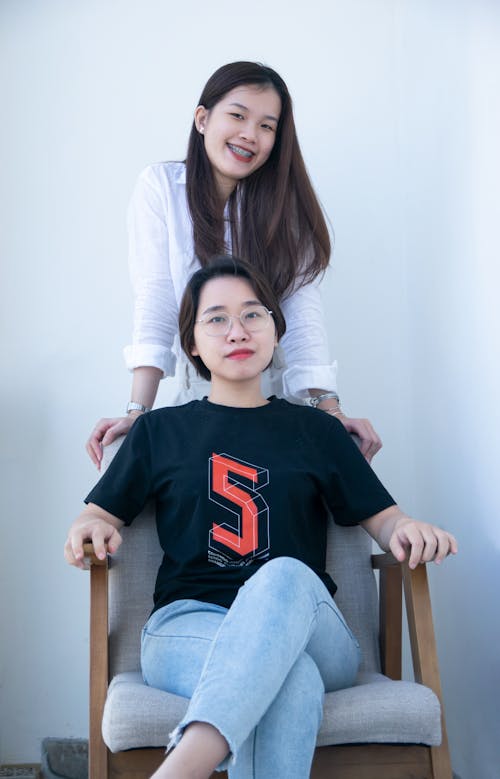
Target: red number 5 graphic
[[249, 534]]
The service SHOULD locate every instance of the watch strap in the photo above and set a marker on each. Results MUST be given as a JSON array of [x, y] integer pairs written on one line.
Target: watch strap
[[133, 406]]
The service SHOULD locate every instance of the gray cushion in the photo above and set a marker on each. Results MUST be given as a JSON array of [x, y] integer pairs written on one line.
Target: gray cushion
[[375, 710]]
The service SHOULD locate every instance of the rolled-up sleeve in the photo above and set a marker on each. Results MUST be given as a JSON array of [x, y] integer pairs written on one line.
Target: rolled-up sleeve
[[155, 305], [305, 344]]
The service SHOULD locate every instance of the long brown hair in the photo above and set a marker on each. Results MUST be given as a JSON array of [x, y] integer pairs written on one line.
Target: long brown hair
[[223, 265], [276, 220]]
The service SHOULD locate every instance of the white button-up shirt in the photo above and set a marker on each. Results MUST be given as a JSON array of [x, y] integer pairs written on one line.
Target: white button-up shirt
[[162, 259]]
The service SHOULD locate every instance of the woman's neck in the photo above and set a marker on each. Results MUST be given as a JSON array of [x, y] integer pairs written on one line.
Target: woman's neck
[[237, 394], [225, 189]]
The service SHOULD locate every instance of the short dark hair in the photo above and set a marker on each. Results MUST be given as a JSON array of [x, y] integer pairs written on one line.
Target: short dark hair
[[222, 265]]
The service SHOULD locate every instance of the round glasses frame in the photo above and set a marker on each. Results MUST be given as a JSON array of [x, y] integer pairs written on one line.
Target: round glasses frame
[[221, 323]]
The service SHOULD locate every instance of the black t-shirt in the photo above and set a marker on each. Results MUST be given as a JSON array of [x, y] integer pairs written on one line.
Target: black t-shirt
[[234, 487]]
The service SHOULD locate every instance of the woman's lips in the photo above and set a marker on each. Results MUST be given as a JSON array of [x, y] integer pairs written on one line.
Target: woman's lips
[[241, 154], [240, 354]]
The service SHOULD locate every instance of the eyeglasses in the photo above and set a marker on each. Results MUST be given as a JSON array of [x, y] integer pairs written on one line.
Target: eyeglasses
[[253, 319]]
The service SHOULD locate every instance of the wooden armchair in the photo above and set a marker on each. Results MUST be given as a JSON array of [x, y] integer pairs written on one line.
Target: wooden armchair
[[382, 728]]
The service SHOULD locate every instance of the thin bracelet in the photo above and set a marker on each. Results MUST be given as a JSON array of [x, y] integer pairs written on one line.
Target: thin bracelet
[[333, 413], [315, 401]]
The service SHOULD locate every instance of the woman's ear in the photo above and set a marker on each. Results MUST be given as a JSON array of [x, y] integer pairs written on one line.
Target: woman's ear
[[200, 118], [194, 351]]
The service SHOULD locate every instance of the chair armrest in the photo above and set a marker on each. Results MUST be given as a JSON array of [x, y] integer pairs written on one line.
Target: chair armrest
[[98, 659], [390, 613], [384, 560], [90, 556], [419, 613], [424, 652], [420, 626]]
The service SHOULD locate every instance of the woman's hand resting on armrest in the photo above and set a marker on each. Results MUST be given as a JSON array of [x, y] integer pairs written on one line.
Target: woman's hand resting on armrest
[[405, 537], [94, 525]]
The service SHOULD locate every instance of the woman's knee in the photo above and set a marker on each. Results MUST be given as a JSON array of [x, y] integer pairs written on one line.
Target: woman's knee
[[284, 575]]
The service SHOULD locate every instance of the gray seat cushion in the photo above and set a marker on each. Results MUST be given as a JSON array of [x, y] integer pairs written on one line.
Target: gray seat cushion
[[376, 710]]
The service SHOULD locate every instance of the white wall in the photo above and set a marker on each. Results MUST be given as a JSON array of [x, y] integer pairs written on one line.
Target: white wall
[[450, 123], [396, 104]]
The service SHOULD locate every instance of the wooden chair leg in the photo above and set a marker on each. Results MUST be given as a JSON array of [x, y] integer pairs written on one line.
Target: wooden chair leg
[[440, 759], [98, 752]]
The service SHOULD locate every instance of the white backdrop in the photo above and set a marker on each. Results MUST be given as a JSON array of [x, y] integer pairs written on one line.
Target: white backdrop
[[398, 116]]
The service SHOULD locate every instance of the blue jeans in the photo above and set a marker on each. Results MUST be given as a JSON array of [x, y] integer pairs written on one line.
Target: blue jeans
[[258, 671]]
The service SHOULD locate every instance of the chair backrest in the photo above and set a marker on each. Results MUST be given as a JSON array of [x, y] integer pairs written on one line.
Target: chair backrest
[[348, 561], [133, 572]]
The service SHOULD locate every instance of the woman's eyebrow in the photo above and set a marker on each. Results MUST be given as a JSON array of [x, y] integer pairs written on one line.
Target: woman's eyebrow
[[213, 308], [244, 107], [223, 308]]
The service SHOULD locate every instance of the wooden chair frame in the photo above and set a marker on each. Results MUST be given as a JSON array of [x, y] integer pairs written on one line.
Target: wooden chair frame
[[356, 761]]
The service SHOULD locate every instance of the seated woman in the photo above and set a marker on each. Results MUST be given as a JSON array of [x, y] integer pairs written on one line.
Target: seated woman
[[244, 622]]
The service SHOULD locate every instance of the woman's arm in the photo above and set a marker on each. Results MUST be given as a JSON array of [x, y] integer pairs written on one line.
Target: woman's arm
[[144, 388], [305, 344], [365, 434], [97, 526], [150, 355], [398, 533], [157, 225]]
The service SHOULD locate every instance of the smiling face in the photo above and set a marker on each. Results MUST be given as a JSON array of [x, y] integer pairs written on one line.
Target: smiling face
[[239, 132], [240, 356]]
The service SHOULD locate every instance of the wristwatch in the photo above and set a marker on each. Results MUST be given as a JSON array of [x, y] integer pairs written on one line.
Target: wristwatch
[[132, 406], [316, 400]]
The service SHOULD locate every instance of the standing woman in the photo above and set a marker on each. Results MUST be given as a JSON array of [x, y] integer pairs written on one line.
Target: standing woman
[[243, 189]]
